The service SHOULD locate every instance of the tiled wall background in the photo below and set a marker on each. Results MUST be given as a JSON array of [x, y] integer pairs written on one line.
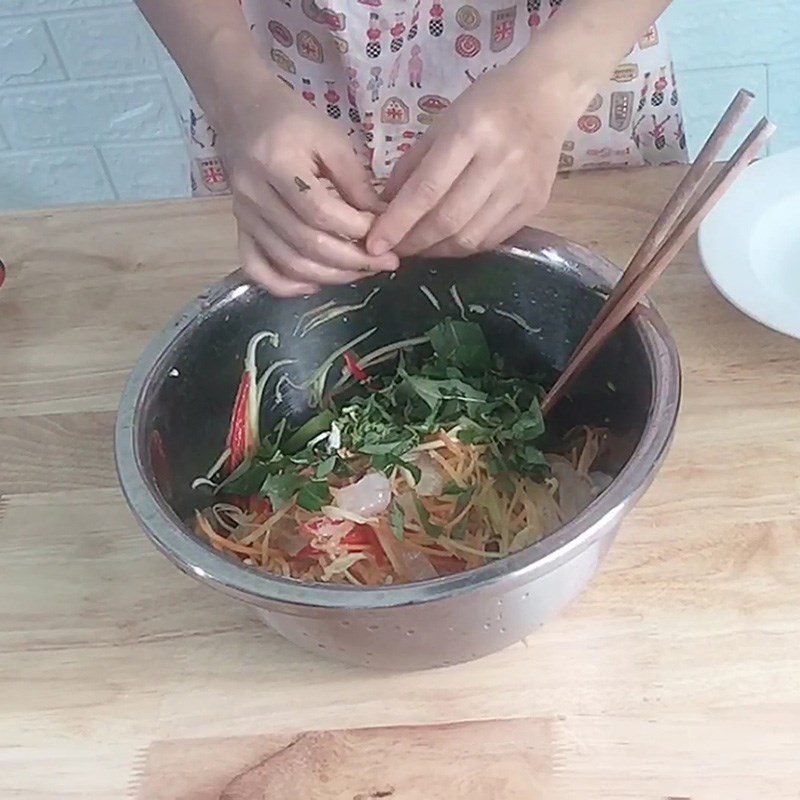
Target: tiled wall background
[[90, 106], [90, 103]]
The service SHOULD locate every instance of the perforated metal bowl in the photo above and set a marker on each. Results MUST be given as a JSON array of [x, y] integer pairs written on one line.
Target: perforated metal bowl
[[174, 413]]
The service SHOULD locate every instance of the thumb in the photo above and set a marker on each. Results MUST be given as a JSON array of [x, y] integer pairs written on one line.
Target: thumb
[[341, 166]]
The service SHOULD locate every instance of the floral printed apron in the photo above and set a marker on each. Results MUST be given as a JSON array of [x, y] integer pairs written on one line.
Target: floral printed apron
[[383, 69]]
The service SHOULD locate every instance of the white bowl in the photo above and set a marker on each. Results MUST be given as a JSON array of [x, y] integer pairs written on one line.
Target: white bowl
[[750, 243]]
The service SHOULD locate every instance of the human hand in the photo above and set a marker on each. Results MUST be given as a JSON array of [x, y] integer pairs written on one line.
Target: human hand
[[301, 198], [481, 172]]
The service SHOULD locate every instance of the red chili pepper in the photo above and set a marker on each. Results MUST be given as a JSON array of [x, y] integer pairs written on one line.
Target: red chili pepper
[[359, 374], [365, 535], [313, 527], [447, 565], [237, 436], [159, 462], [236, 500], [360, 535], [259, 505]]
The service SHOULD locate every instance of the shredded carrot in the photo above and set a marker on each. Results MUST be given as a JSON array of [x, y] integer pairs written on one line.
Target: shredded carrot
[[444, 464], [429, 551], [265, 527], [494, 522], [451, 445], [220, 541]]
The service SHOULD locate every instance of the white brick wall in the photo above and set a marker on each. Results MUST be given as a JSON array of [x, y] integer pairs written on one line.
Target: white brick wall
[[90, 102], [720, 45], [90, 106]]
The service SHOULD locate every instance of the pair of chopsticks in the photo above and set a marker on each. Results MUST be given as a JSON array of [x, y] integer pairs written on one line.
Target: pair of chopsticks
[[670, 232]]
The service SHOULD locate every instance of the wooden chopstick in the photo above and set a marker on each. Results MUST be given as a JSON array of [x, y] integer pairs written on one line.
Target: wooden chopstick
[[683, 231], [676, 205]]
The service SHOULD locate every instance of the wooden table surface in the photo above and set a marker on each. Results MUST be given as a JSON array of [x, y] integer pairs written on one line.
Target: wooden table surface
[[677, 674]]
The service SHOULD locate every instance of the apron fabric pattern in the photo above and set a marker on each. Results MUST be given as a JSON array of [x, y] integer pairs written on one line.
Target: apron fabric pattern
[[383, 70]]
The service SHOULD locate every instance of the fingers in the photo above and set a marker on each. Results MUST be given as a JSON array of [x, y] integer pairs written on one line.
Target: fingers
[[489, 224], [317, 207], [352, 181], [284, 258], [438, 169], [259, 269], [507, 211], [485, 230], [496, 229], [450, 218], [512, 224], [404, 166], [317, 246]]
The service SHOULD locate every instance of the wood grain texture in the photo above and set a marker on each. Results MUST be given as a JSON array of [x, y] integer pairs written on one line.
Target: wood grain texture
[[471, 760], [675, 674]]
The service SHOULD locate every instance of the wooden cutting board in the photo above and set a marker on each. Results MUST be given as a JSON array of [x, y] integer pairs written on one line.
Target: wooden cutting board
[[494, 760]]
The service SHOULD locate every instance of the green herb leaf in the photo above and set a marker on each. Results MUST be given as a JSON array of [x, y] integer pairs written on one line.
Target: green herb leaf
[[343, 469], [474, 434], [457, 385], [534, 457], [464, 499], [434, 531], [434, 392], [307, 431], [460, 530], [397, 519], [426, 389], [529, 425], [461, 344], [280, 489], [324, 468], [280, 429], [384, 463], [313, 495], [245, 479], [412, 469], [505, 484], [388, 462], [384, 448]]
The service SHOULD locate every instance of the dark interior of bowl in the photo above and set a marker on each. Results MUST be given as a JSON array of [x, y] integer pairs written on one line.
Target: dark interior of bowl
[[187, 413]]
